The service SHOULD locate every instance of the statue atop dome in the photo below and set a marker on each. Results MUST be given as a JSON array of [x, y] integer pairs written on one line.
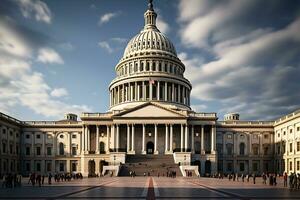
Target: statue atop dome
[[150, 5]]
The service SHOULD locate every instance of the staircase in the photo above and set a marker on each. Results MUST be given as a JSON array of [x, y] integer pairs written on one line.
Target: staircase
[[152, 164]]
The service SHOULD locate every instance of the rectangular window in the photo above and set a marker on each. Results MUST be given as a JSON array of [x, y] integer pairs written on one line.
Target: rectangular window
[[291, 130], [49, 166], [298, 165], [49, 151], [298, 146], [74, 136], [291, 147], [242, 167], [27, 167], [11, 149], [38, 151], [38, 136], [298, 128], [229, 136], [27, 151], [291, 165], [3, 147], [278, 149], [255, 166], [74, 167], [74, 151], [61, 167], [38, 167], [27, 136], [229, 166], [266, 136]]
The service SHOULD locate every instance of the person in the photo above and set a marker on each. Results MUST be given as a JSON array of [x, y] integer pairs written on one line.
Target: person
[[43, 179], [254, 177], [285, 179], [39, 180], [243, 177], [4, 181], [49, 178]]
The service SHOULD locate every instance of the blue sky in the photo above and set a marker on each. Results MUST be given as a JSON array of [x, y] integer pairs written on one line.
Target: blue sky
[[58, 56]]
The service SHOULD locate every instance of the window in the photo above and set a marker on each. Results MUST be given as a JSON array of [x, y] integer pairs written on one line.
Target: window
[[27, 167], [229, 149], [255, 150], [38, 167], [266, 149], [291, 165], [291, 130], [255, 136], [38, 136], [49, 166], [3, 147], [298, 165], [298, 146], [229, 136], [49, 136], [242, 167], [27, 151], [278, 149], [242, 136], [266, 136], [27, 136], [38, 151], [61, 136], [255, 166], [74, 151], [74, 167], [291, 147], [283, 132], [61, 167], [61, 149], [298, 128], [49, 151], [4, 131], [278, 134], [10, 133], [74, 136], [11, 149], [229, 166], [242, 148], [17, 149]]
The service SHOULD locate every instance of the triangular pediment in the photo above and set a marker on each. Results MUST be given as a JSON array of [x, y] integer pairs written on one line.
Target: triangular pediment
[[150, 110]]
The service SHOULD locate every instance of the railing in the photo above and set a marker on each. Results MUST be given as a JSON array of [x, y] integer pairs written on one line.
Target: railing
[[95, 114], [203, 114], [288, 116], [10, 118], [118, 150], [48, 122], [246, 122]]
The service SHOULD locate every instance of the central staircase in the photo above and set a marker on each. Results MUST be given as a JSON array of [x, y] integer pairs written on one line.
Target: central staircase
[[152, 164]]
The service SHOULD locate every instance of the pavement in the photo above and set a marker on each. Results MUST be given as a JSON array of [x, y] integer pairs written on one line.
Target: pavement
[[150, 188]]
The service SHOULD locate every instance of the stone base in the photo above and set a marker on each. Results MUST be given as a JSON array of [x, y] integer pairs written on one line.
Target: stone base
[[144, 152], [131, 152], [155, 152], [168, 152]]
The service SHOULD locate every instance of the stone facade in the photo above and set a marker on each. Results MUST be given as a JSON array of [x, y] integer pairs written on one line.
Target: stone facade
[[149, 113]]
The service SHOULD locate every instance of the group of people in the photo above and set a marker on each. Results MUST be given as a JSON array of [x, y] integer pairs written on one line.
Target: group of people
[[132, 173], [188, 173], [11, 180], [294, 181], [271, 178]]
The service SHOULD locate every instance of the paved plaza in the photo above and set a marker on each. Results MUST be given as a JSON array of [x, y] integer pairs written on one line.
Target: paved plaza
[[150, 188]]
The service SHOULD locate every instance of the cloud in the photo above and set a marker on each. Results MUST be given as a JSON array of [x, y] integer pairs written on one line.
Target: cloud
[[162, 25], [21, 85], [67, 46], [113, 44], [107, 17], [35, 8], [59, 92], [48, 55]]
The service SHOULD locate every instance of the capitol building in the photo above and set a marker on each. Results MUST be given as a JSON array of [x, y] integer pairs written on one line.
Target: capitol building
[[150, 125]]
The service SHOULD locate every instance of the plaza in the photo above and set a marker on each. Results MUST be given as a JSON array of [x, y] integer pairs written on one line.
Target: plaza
[[151, 188]]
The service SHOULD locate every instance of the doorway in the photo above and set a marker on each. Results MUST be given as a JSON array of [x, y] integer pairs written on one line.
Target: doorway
[[150, 148]]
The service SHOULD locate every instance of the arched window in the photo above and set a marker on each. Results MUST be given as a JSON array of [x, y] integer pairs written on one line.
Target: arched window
[[242, 148], [229, 149], [61, 148]]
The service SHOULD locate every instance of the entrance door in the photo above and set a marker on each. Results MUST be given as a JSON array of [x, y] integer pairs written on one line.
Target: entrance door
[[207, 167], [91, 168], [150, 148]]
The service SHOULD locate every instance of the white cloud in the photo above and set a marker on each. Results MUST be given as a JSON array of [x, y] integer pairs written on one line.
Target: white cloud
[[59, 92], [67, 46], [162, 25], [118, 39], [48, 55], [21, 86], [35, 8], [107, 17], [105, 45]]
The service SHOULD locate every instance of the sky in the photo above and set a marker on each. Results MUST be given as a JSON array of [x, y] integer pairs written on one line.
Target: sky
[[58, 56]]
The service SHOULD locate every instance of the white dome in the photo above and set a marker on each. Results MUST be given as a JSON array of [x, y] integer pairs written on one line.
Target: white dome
[[148, 40]]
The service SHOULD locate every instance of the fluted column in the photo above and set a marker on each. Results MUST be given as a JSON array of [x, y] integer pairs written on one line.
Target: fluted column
[[213, 139], [155, 139], [171, 138], [135, 91], [132, 139], [128, 138], [186, 139], [144, 91], [202, 140], [193, 140], [181, 138], [143, 142], [97, 139], [131, 92], [158, 90], [117, 137], [150, 90], [166, 91], [107, 139], [167, 138]]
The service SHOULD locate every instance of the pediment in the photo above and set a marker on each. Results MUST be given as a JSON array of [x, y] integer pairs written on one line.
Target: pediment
[[150, 111]]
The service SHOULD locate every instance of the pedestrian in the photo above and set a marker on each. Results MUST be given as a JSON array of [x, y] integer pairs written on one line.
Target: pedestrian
[[49, 178], [285, 179], [254, 177]]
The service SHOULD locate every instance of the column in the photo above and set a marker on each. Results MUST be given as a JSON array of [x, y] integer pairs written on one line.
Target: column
[[173, 92], [128, 138], [132, 139], [135, 91], [202, 140], [123, 93], [155, 139], [54, 144], [43, 144], [143, 142], [213, 140], [186, 139], [113, 139], [117, 138], [166, 91], [181, 138], [70, 143], [138, 93], [183, 94], [107, 139], [131, 92], [193, 142], [144, 91], [166, 137], [179, 93], [97, 139], [158, 90], [171, 138], [150, 91], [82, 140], [88, 139], [250, 143], [32, 146]]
